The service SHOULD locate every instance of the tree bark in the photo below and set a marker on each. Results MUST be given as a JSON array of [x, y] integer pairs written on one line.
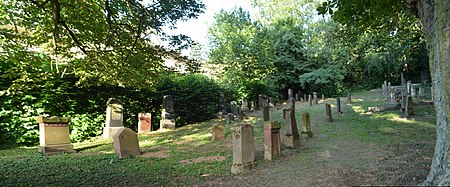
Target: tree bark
[[435, 18]]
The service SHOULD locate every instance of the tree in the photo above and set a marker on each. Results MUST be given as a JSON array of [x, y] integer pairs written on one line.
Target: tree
[[106, 41], [434, 15]]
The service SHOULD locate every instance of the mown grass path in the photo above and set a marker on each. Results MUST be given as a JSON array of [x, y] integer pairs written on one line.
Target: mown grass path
[[357, 148]]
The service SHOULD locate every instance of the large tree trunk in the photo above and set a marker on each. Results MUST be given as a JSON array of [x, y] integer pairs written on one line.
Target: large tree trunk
[[435, 17]]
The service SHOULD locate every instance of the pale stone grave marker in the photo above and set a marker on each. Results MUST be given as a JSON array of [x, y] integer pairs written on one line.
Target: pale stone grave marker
[[126, 143], [316, 101], [54, 135], [218, 131], [291, 137], [243, 149], [114, 118], [306, 125]]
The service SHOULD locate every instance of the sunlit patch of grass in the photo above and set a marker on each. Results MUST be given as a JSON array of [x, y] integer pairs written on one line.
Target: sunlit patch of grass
[[358, 109]]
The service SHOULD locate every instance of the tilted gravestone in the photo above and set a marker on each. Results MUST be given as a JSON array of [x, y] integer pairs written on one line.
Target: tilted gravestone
[[114, 118], [243, 149], [126, 143], [328, 112], [168, 113], [145, 122], [218, 131], [306, 125], [291, 137], [272, 140], [54, 135]]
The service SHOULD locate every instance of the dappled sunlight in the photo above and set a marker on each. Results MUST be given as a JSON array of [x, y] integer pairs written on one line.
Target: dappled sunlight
[[402, 120], [358, 109], [147, 143]]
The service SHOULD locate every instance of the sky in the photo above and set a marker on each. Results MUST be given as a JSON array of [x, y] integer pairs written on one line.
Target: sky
[[197, 28]]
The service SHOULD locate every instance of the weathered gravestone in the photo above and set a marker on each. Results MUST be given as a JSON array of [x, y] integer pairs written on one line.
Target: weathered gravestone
[[54, 135], [304, 98], [234, 108], [323, 97], [114, 118], [402, 79], [263, 100], [223, 105], [316, 101], [409, 107], [218, 131], [145, 122], [310, 100], [230, 118], [243, 149], [338, 105], [290, 94], [328, 112], [245, 108], [306, 125], [272, 140], [266, 115], [408, 87], [168, 113], [126, 143], [349, 98], [291, 137]]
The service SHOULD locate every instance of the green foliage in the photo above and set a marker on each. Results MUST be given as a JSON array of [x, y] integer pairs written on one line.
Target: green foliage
[[86, 126], [327, 80]]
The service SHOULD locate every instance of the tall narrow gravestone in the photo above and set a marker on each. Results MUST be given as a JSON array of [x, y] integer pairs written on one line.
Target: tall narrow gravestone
[[243, 149], [272, 146], [145, 122], [349, 98], [306, 125], [245, 108], [310, 100], [323, 97], [316, 101], [218, 131], [126, 143], [54, 136], [338, 105], [291, 137], [328, 112], [167, 115], [114, 118], [290, 94], [409, 107]]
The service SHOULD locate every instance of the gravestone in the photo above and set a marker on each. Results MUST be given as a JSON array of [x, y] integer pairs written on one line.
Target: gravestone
[[245, 107], [168, 115], [243, 149], [145, 122], [306, 125], [234, 108], [316, 101], [263, 101], [310, 100], [338, 105], [230, 118], [328, 112], [409, 107], [402, 79], [223, 105], [272, 140], [218, 131], [290, 94], [304, 97], [323, 97], [54, 135], [284, 113], [291, 103], [126, 143], [297, 97], [114, 118], [291, 137], [266, 115], [408, 87], [349, 98]]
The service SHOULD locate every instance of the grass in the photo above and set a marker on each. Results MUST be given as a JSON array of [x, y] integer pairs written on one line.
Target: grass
[[410, 140]]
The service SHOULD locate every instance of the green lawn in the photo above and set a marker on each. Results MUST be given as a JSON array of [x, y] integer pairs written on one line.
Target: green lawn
[[166, 153]]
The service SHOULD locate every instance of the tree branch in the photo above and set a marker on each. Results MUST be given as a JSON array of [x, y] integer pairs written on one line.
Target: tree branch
[[74, 38]]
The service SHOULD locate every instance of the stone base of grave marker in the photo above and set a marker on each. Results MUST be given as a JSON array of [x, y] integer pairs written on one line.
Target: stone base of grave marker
[[218, 132], [126, 143], [272, 140], [243, 149], [54, 136]]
